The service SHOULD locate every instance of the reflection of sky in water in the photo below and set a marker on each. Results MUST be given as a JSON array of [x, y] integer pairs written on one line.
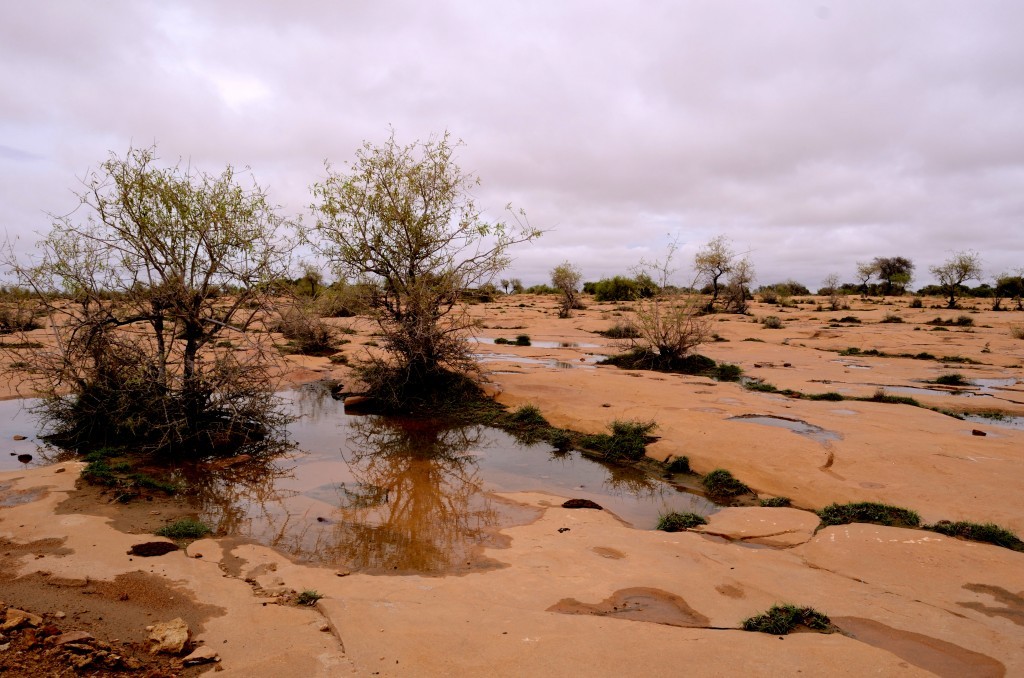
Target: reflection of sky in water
[[384, 494]]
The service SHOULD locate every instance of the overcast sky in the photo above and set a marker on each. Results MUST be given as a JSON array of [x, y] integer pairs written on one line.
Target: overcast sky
[[813, 134]]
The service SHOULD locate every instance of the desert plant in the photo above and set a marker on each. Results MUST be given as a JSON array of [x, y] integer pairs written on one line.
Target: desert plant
[[988, 533], [891, 318], [728, 372], [402, 221], [677, 522], [951, 379], [308, 597], [522, 340], [186, 528], [309, 334], [781, 619], [1017, 331], [954, 272], [868, 512], [721, 483], [628, 440], [165, 263], [625, 330], [566, 279], [678, 465], [776, 502], [772, 322]]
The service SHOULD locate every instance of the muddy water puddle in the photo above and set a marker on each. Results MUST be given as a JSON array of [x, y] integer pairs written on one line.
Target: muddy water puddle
[[585, 362], [797, 426], [387, 495], [1006, 421], [17, 422], [545, 344]]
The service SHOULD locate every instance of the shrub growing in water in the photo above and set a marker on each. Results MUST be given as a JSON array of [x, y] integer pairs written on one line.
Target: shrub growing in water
[[187, 528], [721, 483], [677, 522], [628, 440]]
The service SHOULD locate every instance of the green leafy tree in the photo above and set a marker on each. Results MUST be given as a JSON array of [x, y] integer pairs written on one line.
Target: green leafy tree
[[895, 272], [160, 263], [401, 219], [954, 272], [566, 279]]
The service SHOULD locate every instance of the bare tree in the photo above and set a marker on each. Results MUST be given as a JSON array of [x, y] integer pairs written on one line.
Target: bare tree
[[737, 292], [712, 263], [401, 220], [566, 279], [670, 323], [865, 272], [163, 262], [951, 274], [831, 286]]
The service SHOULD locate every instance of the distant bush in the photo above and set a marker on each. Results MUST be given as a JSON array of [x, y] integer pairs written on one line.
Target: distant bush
[[776, 502], [628, 440], [727, 372], [621, 331], [621, 288], [951, 379], [772, 322], [308, 333], [891, 318]]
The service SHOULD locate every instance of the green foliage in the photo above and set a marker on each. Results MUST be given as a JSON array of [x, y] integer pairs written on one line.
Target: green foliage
[[621, 331], [727, 372], [186, 528], [781, 619], [880, 396], [988, 533], [679, 465], [721, 483], [628, 440], [621, 288], [952, 379], [308, 597], [776, 502], [759, 385], [645, 359], [868, 512], [831, 396], [677, 522]]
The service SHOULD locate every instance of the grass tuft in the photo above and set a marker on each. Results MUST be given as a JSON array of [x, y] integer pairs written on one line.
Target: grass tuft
[[186, 528], [308, 597], [989, 533], [679, 465], [781, 619], [776, 502], [628, 440], [868, 512], [721, 483], [677, 522]]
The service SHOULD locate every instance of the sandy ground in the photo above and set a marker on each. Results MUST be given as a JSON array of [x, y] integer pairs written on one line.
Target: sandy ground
[[599, 597]]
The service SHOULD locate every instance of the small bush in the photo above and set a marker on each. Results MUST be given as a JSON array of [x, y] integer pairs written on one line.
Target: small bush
[[522, 340], [916, 303], [502, 341], [528, 415], [679, 465], [951, 379], [828, 395], [781, 619], [308, 597], [721, 483], [308, 333], [868, 512], [186, 528], [891, 318], [880, 396], [849, 319], [621, 331], [628, 440], [776, 502], [759, 385], [772, 322], [677, 522], [727, 372], [988, 533], [1017, 331]]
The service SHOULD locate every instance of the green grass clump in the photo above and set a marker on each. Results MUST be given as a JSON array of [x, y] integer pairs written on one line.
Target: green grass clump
[[989, 533], [772, 322], [528, 415], [727, 372], [761, 386], [308, 597], [677, 522], [868, 512], [951, 379], [849, 319], [679, 465], [880, 396], [776, 502], [186, 528], [621, 331], [628, 440], [781, 619], [828, 395], [721, 483]]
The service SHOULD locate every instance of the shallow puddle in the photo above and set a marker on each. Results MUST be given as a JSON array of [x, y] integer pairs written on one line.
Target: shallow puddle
[[797, 426], [1003, 422], [16, 420], [638, 604], [543, 344], [586, 362], [388, 495]]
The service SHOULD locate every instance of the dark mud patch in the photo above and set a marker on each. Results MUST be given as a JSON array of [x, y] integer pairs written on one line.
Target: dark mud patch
[[798, 426], [581, 504], [143, 515], [931, 654], [1012, 603], [730, 591], [10, 497], [638, 604], [151, 549], [121, 608], [608, 552]]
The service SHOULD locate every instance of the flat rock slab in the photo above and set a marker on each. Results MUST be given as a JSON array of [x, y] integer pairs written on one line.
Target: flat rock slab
[[777, 527]]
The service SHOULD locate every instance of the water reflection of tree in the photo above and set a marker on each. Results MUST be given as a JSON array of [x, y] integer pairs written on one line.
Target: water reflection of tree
[[418, 505]]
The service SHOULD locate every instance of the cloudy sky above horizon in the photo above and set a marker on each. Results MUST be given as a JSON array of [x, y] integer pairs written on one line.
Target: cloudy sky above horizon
[[813, 134]]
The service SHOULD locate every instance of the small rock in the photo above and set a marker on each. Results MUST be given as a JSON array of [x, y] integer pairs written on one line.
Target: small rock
[[5, 647], [16, 618], [20, 437], [978, 432], [325, 628], [24, 458], [59, 615], [131, 663], [202, 655], [563, 529], [581, 504], [169, 637], [342, 573], [152, 548], [60, 470]]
